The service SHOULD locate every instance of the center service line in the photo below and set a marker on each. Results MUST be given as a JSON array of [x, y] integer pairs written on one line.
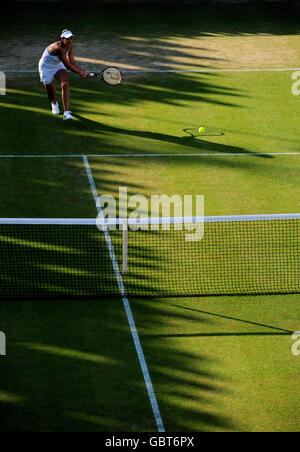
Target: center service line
[[126, 304]]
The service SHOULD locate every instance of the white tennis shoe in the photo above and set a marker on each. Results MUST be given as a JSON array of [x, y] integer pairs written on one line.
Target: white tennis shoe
[[67, 115], [55, 108]]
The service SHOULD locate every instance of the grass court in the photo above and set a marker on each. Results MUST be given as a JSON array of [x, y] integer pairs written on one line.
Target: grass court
[[216, 363]]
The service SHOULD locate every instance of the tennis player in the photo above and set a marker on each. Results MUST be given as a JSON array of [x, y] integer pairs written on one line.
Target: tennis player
[[55, 61]]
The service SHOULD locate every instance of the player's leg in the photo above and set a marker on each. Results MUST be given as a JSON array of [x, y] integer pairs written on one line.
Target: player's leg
[[51, 91], [62, 77]]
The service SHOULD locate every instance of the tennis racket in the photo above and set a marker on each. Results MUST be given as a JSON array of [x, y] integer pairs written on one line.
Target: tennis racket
[[110, 75]]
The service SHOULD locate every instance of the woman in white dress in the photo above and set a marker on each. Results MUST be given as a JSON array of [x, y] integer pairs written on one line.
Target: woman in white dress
[[56, 59]]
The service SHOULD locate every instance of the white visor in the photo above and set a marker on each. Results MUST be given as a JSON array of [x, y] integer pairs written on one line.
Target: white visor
[[67, 34]]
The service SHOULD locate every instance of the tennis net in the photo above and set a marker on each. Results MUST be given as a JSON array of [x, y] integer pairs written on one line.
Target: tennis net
[[45, 258]]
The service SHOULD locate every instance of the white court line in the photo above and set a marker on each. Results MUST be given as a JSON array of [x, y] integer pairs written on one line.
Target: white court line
[[150, 221], [249, 154], [125, 300], [128, 71], [210, 70], [224, 154], [42, 156]]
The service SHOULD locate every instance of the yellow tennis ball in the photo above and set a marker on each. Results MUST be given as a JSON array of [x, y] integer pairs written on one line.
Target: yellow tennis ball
[[201, 129]]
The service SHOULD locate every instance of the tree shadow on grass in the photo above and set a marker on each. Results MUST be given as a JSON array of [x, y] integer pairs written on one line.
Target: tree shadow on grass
[[71, 366], [248, 322], [191, 142], [174, 89]]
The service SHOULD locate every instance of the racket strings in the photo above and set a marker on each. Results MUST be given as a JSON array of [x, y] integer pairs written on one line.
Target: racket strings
[[112, 75]]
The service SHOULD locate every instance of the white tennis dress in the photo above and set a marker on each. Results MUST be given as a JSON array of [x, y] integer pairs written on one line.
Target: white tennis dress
[[48, 66]]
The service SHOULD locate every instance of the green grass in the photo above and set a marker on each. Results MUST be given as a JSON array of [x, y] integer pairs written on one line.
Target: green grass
[[255, 112], [217, 364], [222, 364], [70, 366]]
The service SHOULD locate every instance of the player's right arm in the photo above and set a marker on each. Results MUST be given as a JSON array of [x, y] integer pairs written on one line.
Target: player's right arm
[[69, 65]]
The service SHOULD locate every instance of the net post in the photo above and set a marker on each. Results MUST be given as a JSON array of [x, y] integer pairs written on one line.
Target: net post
[[125, 246]]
